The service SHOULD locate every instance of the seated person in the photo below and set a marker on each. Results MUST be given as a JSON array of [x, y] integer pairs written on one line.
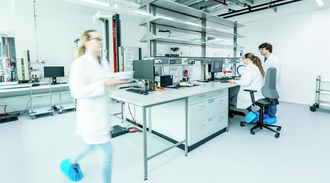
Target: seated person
[[252, 78]]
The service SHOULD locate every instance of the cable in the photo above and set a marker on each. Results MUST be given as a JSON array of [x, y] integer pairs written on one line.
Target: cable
[[163, 69], [26, 108], [5, 114], [132, 129], [158, 88]]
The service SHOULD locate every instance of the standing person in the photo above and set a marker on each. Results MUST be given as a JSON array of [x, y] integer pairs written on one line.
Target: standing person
[[90, 85], [271, 60], [252, 78]]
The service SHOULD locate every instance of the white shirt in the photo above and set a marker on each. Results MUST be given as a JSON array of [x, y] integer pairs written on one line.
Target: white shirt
[[251, 79]]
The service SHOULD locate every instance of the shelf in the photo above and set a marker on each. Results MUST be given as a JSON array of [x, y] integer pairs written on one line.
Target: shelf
[[161, 65], [194, 58], [325, 91], [167, 40], [325, 80], [172, 9], [323, 103], [183, 27]]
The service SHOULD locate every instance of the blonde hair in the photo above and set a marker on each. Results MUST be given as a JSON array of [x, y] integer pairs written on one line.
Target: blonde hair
[[256, 61], [84, 37]]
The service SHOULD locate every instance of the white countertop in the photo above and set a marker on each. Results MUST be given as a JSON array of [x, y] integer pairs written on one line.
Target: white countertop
[[169, 94], [154, 97]]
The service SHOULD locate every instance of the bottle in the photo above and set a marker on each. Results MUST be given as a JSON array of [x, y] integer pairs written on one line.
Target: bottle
[[185, 74]]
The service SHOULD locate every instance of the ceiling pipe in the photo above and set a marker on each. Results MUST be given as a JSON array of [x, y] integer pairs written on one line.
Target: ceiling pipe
[[260, 5], [223, 3], [259, 9]]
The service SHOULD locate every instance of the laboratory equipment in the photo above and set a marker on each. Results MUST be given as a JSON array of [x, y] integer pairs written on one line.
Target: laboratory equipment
[[24, 67], [54, 72], [8, 58], [110, 31], [126, 57], [165, 80]]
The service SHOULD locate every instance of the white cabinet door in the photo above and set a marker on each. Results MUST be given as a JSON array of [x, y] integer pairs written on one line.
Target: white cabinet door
[[219, 122], [220, 105], [199, 112], [199, 131]]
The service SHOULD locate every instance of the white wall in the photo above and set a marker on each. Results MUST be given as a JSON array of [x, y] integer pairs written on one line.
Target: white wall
[[299, 33]]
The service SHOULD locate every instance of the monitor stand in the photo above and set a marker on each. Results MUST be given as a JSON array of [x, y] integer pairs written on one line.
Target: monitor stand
[[54, 81], [208, 80]]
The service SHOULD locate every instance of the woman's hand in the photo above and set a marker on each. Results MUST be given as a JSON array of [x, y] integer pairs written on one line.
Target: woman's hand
[[109, 81], [238, 79], [232, 81]]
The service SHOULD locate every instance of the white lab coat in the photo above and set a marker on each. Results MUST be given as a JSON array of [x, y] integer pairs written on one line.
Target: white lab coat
[[250, 79], [274, 61], [93, 98]]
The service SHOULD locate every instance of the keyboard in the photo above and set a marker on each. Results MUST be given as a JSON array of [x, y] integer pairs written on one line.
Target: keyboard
[[227, 78], [224, 81], [136, 91]]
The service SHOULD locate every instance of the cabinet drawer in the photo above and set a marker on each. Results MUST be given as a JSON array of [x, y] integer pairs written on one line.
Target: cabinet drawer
[[218, 93], [219, 122], [199, 131], [198, 98], [220, 105], [199, 112]]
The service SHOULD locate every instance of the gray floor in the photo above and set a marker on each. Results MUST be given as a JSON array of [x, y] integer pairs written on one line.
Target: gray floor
[[31, 151]]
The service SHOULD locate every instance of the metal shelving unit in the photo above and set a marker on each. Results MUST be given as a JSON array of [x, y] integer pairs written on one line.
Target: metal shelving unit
[[172, 16], [37, 110], [168, 40], [184, 27], [179, 11], [320, 90]]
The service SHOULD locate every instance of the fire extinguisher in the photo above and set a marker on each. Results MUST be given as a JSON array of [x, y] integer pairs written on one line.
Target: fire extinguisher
[[185, 73]]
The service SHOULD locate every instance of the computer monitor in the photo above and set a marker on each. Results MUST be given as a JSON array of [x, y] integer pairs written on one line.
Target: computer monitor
[[144, 69], [216, 66], [54, 72]]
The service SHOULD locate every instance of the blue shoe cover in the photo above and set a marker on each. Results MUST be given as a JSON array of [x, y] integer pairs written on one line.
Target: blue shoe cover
[[73, 172], [250, 117], [270, 120], [266, 116], [256, 119]]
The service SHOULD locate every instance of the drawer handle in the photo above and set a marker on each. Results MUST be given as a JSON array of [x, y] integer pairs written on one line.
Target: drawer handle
[[201, 96], [203, 125], [221, 117], [202, 106], [220, 91]]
